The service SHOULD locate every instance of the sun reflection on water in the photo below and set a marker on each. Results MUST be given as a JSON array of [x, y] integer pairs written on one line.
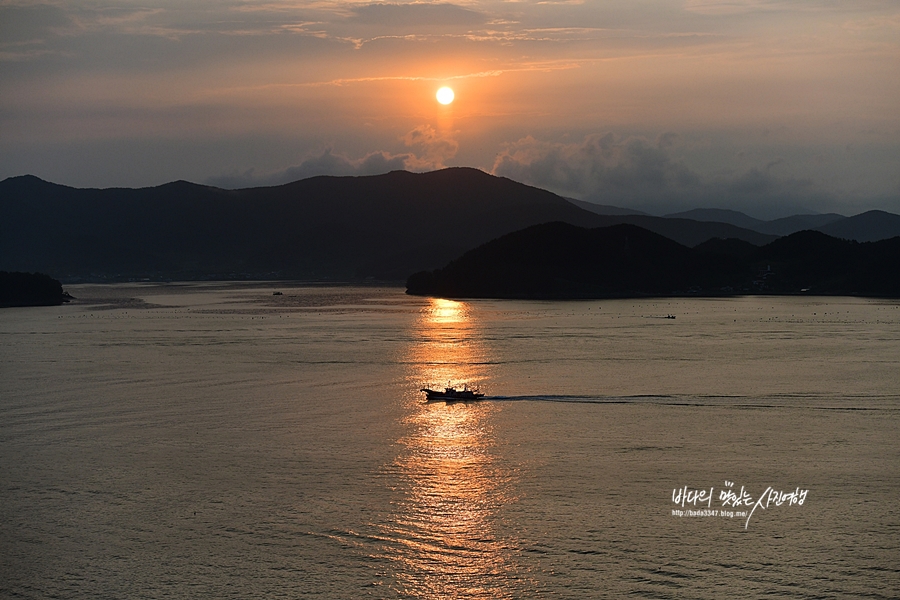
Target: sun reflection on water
[[443, 538], [450, 349]]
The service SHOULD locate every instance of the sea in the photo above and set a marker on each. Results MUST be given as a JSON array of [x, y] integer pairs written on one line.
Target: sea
[[271, 440]]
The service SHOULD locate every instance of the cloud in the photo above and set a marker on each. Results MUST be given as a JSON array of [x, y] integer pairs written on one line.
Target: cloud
[[416, 15], [742, 7], [601, 164], [432, 150], [435, 147], [29, 23], [327, 163], [633, 172], [731, 7]]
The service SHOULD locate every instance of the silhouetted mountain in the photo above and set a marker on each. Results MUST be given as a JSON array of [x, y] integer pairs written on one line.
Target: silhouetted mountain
[[385, 226], [866, 227], [30, 289], [604, 209], [822, 264], [557, 260], [728, 247], [337, 227], [795, 223], [719, 215], [689, 232]]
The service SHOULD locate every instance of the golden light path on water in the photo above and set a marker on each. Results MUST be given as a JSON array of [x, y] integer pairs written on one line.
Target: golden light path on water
[[443, 534]]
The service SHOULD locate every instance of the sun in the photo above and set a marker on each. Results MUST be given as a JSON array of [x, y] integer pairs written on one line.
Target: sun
[[445, 95]]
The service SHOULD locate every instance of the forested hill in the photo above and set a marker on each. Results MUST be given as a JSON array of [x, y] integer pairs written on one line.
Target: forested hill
[[384, 226], [557, 260]]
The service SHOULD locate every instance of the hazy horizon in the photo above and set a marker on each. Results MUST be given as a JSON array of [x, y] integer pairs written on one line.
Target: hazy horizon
[[769, 107]]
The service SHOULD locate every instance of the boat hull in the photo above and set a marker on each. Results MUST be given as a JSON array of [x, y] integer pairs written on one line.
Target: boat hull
[[452, 395]]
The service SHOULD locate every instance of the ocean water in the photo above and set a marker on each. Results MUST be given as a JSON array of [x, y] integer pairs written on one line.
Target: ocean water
[[219, 441]]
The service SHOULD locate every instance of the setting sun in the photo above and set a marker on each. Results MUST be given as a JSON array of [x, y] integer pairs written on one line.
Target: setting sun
[[445, 95]]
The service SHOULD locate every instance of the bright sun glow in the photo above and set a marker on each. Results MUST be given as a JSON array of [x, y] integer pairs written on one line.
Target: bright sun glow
[[445, 95]]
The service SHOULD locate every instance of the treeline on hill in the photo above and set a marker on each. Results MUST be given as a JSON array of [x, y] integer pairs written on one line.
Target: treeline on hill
[[30, 289], [557, 260]]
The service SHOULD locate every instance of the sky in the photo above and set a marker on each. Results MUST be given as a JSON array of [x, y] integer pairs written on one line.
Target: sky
[[771, 107]]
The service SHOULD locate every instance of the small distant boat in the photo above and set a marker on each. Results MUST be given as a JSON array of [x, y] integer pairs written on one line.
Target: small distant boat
[[450, 394]]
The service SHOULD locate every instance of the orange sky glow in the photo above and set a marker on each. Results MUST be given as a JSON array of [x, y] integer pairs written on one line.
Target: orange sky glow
[[798, 96]]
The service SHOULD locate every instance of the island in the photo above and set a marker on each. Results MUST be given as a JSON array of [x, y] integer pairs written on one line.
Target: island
[[30, 289], [562, 261]]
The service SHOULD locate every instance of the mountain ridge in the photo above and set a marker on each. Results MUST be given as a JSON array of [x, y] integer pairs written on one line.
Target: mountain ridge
[[868, 226], [383, 226], [327, 227]]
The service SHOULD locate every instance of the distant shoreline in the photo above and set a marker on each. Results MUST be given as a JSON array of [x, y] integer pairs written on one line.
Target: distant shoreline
[[674, 296]]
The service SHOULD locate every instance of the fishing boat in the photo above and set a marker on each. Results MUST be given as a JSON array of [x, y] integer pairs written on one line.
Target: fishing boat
[[451, 394]]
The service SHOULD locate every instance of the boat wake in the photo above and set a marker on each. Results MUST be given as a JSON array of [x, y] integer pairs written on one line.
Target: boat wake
[[590, 399], [785, 401]]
